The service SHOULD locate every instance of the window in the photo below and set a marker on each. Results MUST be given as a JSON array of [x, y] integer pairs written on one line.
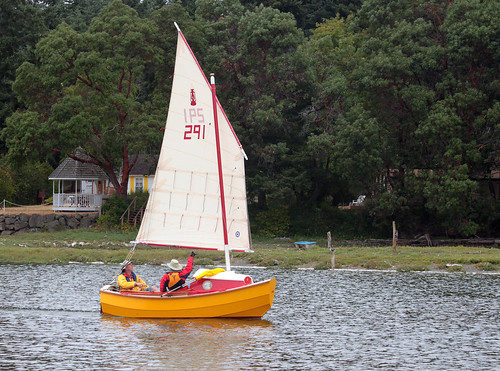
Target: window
[[139, 184]]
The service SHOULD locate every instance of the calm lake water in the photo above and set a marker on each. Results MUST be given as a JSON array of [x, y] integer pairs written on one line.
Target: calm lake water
[[343, 320]]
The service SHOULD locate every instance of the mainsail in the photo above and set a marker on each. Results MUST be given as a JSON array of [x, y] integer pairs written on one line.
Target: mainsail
[[184, 206]]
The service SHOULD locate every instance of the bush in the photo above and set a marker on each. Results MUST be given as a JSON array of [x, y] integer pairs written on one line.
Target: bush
[[343, 224], [112, 210], [21, 184], [7, 188], [272, 223]]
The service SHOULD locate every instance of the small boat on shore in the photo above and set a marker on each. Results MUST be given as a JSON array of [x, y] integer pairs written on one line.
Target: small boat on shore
[[198, 201]]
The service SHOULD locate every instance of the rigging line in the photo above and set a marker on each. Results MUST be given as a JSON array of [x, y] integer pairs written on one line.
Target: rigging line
[[205, 190], [231, 185], [128, 258]]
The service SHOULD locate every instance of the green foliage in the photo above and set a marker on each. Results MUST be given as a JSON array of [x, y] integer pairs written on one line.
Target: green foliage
[[116, 205], [272, 223], [7, 185], [412, 133], [87, 90], [112, 210], [398, 101], [142, 198], [343, 224], [260, 82], [308, 13], [22, 26], [21, 184]]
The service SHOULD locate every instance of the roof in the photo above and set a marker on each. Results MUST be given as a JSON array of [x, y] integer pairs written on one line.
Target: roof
[[72, 169], [145, 165]]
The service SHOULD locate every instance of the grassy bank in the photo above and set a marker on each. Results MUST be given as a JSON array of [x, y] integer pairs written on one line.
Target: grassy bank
[[87, 245]]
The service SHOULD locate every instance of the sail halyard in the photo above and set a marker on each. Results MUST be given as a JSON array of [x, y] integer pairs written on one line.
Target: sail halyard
[[185, 202]]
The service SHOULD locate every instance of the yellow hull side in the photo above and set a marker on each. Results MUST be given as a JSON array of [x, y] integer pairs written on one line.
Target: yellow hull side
[[248, 301]]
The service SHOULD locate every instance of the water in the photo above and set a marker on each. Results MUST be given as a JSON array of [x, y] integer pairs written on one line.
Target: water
[[345, 320]]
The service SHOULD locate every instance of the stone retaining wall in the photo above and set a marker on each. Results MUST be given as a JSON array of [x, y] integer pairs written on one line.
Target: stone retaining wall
[[10, 224]]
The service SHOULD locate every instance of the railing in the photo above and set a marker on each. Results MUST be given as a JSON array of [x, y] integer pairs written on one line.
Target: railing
[[134, 214], [69, 201]]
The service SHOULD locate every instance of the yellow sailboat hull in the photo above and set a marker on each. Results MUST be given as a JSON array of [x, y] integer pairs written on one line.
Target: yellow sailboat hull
[[252, 300]]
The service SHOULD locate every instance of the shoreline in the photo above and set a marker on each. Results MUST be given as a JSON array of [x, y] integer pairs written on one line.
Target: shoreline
[[237, 262], [468, 268], [112, 247]]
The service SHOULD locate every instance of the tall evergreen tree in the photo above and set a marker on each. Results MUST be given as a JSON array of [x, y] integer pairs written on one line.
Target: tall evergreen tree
[[424, 81], [309, 13], [261, 83], [22, 26]]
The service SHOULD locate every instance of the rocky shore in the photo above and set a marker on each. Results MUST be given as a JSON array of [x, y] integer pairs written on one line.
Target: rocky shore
[[20, 223]]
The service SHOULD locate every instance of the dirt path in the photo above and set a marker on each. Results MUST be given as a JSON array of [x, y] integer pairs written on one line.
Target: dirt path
[[35, 209]]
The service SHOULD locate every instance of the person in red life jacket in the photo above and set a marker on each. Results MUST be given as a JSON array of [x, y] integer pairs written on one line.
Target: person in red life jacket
[[177, 275], [129, 281]]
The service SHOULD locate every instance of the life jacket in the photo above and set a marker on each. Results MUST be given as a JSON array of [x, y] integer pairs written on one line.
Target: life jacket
[[174, 281], [127, 277]]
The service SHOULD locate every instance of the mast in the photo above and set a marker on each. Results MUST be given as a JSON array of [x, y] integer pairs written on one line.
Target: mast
[[221, 177]]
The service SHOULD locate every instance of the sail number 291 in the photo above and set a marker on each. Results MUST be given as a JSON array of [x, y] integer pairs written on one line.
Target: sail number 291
[[195, 124]]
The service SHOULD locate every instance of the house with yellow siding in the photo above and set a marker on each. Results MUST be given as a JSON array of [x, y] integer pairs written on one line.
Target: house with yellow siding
[[142, 174]]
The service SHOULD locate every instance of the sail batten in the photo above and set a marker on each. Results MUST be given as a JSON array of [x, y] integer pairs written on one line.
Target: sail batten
[[184, 206]]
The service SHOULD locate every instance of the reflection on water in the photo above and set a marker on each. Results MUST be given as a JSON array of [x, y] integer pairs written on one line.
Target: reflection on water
[[320, 319], [196, 343]]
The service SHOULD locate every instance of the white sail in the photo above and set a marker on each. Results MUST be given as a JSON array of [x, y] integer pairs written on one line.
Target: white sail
[[184, 206]]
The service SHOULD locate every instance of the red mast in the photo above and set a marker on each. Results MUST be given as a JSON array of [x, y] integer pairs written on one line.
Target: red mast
[[219, 165]]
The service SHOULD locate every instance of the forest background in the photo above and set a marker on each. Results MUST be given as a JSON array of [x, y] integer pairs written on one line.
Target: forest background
[[397, 100]]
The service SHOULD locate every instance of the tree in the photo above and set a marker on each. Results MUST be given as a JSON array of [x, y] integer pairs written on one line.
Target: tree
[[260, 80], [78, 14], [22, 26], [161, 80], [331, 54], [309, 13], [424, 79], [7, 185], [462, 131], [88, 91]]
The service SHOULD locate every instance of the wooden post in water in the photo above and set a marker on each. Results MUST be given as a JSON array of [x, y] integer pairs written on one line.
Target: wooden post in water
[[329, 237], [394, 236]]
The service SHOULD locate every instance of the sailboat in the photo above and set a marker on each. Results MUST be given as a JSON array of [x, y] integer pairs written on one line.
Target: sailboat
[[198, 201]]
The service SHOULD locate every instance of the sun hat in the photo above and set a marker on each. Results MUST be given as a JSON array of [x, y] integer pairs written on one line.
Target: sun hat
[[174, 265], [124, 264]]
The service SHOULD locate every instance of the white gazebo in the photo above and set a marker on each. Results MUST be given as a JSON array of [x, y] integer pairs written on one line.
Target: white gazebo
[[78, 186]]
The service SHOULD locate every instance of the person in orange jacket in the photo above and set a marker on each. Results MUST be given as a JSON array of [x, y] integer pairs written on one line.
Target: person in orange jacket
[[129, 281], [177, 275]]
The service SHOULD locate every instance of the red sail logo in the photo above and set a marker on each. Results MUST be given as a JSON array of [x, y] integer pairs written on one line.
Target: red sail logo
[[193, 98]]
